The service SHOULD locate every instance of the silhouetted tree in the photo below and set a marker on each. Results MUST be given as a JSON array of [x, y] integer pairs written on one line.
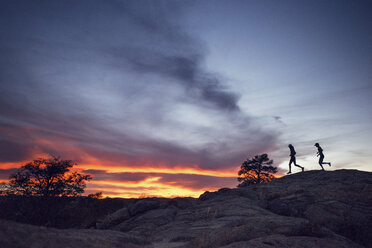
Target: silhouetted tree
[[258, 169], [97, 195], [47, 178]]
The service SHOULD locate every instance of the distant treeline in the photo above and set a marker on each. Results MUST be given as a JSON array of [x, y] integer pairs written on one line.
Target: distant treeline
[[59, 212]]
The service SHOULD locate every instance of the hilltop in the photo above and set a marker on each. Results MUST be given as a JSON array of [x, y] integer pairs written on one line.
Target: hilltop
[[308, 209]]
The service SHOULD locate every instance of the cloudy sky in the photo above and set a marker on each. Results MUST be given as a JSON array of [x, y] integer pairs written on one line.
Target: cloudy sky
[[168, 98]]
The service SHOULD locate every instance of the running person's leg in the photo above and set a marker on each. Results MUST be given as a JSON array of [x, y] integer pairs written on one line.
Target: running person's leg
[[322, 157], [290, 162], [294, 161], [321, 161], [326, 162]]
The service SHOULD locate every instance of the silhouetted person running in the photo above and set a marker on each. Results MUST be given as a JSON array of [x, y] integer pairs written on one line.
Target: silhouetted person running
[[293, 159], [321, 156]]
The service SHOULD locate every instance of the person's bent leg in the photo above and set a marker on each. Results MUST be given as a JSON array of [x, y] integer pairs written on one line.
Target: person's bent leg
[[298, 165], [295, 163], [302, 168], [321, 161], [289, 165]]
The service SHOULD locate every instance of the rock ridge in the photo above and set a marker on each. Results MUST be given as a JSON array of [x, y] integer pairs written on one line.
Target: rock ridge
[[307, 209]]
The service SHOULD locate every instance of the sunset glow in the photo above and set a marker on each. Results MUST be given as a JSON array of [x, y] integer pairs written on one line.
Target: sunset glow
[[148, 186], [169, 99], [175, 170]]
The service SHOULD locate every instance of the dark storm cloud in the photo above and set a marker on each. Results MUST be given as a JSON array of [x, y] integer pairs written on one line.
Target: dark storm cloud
[[64, 62], [119, 149], [94, 172], [187, 70], [198, 181], [14, 144], [123, 188], [122, 177], [12, 152], [180, 56], [5, 173]]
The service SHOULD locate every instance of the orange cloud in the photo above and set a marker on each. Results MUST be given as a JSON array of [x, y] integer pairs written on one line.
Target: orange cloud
[[148, 169], [148, 187], [156, 178]]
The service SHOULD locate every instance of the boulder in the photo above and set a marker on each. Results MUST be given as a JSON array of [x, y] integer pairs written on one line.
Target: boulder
[[143, 205], [144, 224], [182, 203], [114, 219], [281, 241], [338, 200], [16, 235]]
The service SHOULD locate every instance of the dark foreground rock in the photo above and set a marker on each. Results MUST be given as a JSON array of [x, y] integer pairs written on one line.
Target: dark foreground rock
[[309, 209], [16, 235]]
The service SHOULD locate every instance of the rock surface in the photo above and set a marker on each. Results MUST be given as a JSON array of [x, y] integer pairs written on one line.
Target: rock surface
[[16, 235], [114, 219], [308, 209]]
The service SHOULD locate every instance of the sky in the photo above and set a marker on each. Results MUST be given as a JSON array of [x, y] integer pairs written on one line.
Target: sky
[[168, 98]]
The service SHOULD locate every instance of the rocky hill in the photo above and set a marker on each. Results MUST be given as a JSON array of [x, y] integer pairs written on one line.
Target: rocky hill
[[309, 209]]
